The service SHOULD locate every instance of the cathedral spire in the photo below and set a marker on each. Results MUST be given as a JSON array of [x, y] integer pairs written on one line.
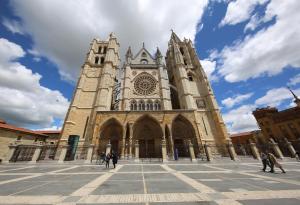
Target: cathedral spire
[[128, 55], [174, 37], [158, 56], [178, 55], [297, 100]]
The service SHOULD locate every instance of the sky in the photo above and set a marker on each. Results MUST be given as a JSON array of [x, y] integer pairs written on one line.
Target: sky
[[250, 49]]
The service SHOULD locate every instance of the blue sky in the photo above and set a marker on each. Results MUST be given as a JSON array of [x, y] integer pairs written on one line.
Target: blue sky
[[250, 50]]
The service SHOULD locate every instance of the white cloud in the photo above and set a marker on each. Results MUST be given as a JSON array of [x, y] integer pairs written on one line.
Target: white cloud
[[276, 97], [209, 67], [232, 101], [63, 30], [13, 26], [52, 128], [239, 11], [240, 119], [268, 51], [294, 80], [23, 101]]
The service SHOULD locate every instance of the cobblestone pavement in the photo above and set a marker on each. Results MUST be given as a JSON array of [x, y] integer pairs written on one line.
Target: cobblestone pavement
[[218, 182]]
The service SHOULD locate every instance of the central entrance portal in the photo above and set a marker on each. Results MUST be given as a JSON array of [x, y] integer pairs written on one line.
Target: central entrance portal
[[148, 133]]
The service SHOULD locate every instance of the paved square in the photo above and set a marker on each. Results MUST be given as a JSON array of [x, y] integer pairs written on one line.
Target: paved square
[[219, 182]]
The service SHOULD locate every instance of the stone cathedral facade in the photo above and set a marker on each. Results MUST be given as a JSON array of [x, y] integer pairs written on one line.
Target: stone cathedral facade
[[161, 105]]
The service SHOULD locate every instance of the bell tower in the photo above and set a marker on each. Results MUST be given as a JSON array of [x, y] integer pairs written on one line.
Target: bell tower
[[94, 89], [190, 89]]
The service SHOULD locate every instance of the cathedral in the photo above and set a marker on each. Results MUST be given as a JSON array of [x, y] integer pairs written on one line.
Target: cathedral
[[148, 106]]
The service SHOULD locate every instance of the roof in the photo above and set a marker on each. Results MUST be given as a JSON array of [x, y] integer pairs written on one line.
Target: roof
[[48, 131], [20, 129], [241, 134]]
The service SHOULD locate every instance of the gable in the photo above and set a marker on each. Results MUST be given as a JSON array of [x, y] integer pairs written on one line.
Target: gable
[[143, 57]]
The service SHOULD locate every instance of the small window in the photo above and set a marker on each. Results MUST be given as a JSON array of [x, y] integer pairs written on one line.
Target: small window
[[190, 77], [99, 49], [96, 60], [144, 61], [144, 54], [104, 50], [102, 60], [181, 50], [185, 63]]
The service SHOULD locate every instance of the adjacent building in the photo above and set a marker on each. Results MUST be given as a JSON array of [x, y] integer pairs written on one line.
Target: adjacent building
[[11, 134], [278, 125]]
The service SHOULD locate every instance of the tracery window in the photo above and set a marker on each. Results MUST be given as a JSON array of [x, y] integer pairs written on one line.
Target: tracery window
[[141, 105], [133, 105], [149, 105], [144, 84], [157, 105]]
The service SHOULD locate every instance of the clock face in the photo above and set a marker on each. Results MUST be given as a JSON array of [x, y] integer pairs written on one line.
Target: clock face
[[144, 84]]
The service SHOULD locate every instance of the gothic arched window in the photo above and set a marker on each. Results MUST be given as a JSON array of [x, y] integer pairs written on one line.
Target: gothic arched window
[[133, 105], [149, 105], [104, 50], [157, 105], [190, 77], [141, 105], [144, 54], [99, 49], [97, 60], [102, 60]]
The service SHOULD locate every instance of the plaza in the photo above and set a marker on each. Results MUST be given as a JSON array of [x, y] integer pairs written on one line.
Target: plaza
[[221, 181]]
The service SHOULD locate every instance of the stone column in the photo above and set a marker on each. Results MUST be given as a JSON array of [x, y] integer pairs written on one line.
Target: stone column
[[172, 155], [123, 148], [12, 149], [208, 152], [89, 154], [231, 150], [137, 151], [276, 149], [164, 150], [126, 151], [191, 150], [130, 140], [36, 154], [254, 150], [108, 148], [63, 153], [290, 147]]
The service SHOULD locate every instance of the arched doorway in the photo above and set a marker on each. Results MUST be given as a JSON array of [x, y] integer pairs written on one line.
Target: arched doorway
[[149, 135], [182, 132], [111, 132]]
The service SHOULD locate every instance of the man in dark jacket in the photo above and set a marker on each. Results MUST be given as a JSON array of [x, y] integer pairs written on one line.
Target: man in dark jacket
[[114, 159]]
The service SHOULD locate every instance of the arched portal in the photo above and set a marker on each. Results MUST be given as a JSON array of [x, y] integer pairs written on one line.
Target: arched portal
[[111, 132], [182, 132], [149, 135]]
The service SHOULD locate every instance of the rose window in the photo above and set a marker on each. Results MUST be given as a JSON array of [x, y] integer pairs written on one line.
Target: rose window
[[144, 84]]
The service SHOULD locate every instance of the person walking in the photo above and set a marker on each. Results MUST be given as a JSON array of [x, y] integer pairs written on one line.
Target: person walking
[[274, 162], [102, 157], [265, 161], [107, 159], [114, 159]]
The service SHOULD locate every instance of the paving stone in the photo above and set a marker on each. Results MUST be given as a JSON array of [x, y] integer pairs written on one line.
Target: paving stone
[[118, 187], [271, 202], [8, 177]]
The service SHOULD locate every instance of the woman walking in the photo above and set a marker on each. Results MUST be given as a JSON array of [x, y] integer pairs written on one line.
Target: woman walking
[[107, 159], [274, 162]]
